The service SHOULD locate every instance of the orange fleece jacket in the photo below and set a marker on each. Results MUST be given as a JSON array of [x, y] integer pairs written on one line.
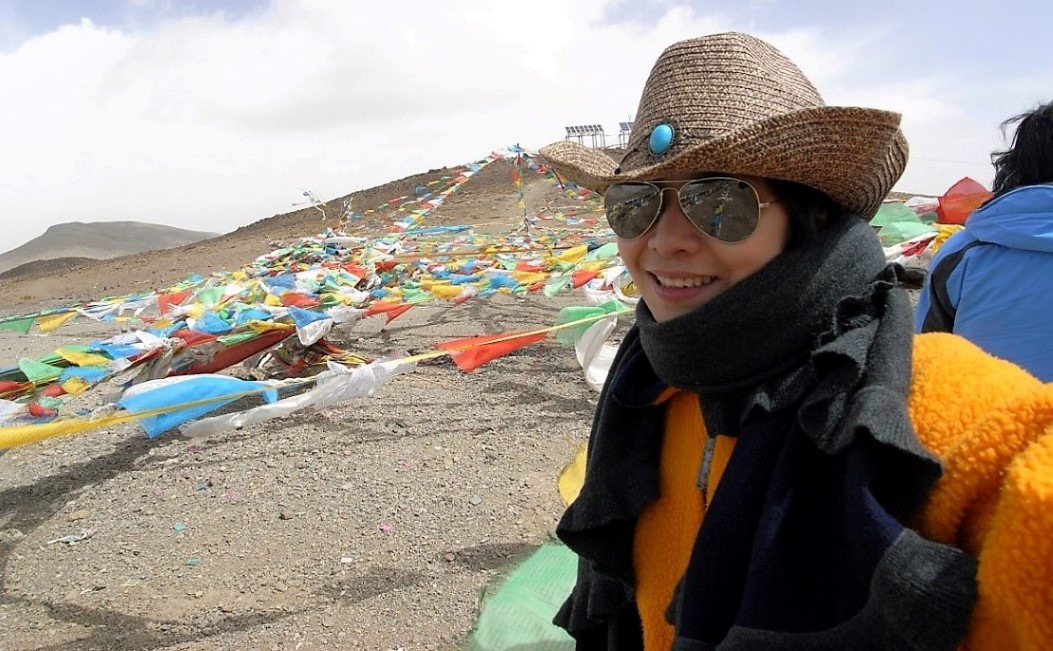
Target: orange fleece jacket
[[988, 421]]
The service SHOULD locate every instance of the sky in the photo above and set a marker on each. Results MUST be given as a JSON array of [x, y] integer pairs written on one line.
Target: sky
[[210, 115]]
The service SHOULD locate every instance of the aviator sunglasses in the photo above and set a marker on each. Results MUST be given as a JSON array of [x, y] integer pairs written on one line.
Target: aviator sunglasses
[[724, 208]]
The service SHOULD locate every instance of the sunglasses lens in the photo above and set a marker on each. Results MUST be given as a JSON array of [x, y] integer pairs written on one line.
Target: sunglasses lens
[[724, 209], [631, 208]]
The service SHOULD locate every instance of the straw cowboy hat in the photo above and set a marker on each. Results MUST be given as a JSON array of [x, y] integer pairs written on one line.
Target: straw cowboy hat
[[732, 103]]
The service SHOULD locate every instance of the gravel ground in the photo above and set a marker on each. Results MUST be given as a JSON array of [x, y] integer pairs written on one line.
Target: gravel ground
[[375, 524]]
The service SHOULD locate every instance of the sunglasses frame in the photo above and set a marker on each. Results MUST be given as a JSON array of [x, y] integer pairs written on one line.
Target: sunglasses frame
[[761, 205]]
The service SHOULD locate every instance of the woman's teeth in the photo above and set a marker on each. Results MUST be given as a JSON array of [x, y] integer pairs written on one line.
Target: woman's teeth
[[698, 281]]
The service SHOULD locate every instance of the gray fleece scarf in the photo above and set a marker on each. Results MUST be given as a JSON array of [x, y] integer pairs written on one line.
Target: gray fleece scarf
[[762, 332], [769, 322]]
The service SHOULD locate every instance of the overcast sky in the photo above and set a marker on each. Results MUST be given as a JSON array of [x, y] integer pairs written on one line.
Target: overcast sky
[[210, 115]]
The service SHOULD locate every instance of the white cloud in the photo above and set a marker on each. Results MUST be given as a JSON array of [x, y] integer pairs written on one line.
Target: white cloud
[[207, 123], [947, 141]]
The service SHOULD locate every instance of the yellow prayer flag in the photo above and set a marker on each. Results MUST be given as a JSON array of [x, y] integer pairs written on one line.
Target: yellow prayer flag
[[572, 476], [594, 265], [445, 292], [530, 277], [81, 358], [265, 326], [75, 385], [51, 322], [572, 255]]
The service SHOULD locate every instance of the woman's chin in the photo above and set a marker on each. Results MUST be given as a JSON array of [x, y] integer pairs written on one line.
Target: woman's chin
[[668, 303]]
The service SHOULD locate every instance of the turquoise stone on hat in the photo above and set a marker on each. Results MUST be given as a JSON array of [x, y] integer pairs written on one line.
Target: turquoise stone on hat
[[661, 139]]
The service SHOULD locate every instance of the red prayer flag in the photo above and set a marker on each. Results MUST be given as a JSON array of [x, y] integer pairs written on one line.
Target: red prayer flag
[[167, 301], [579, 278], [960, 201], [392, 310], [293, 299], [12, 389], [477, 351], [193, 337], [53, 391], [38, 410], [230, 355], [529, 265], [355, 270]]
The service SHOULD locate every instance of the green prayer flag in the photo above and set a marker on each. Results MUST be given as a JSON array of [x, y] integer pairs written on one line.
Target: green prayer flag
[[570, 336], [555, 284], [38, 372], [209, 296], [892, 212], [518, 614], [608, 250], [237, 338], [19, 325], [897, 232], [410, 295]]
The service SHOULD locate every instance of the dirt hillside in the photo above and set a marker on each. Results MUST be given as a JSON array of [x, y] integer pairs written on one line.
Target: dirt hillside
[[487, 198]]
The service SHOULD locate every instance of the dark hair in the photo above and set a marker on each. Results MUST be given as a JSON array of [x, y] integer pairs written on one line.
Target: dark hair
[[808, 209], [1029, 159]]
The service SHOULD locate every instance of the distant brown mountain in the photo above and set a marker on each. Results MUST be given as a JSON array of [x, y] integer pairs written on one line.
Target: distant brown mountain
[[77, 241]]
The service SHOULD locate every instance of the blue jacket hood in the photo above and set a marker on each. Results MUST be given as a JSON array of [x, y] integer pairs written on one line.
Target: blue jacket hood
[[1019, 219]]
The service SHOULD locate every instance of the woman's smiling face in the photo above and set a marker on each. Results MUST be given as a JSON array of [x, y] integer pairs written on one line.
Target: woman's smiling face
[[678, 269]]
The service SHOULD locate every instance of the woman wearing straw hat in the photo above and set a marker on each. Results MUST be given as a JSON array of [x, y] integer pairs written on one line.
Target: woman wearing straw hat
[[775, 463]]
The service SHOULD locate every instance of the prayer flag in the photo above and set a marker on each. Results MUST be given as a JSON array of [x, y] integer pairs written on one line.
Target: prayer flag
[[392, 310], [21, 326], [51, 322], [471, 353]]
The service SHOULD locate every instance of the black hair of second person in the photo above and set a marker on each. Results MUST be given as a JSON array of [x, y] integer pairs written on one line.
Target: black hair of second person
[[1029, 158], [808, 209]]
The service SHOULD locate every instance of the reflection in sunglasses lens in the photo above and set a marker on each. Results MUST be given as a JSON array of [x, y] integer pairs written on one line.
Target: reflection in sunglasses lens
[[725, 209], [722, 208], [631, 208]]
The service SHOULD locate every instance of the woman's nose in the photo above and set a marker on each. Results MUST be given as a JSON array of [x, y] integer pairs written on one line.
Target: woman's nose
[[673, 231]]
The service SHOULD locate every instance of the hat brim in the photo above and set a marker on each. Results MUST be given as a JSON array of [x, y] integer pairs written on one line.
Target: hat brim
[[855, 155]]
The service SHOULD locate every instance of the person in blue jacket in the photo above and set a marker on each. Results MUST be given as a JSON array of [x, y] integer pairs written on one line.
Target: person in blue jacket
[[992, 282]]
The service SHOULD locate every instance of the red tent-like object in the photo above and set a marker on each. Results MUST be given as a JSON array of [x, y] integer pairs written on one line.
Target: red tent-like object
[[960, 200]]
